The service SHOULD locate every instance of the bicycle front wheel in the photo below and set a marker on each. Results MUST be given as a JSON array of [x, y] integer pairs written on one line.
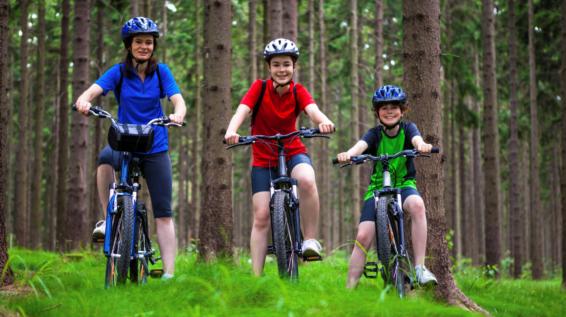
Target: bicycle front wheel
[[126, 235], [283, 237], [384, 235], [139, 269]]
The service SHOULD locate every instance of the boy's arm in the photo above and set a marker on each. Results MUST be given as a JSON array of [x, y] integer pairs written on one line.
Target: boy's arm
[[319, 118], [357, 149], [420, 145], [241, 114]]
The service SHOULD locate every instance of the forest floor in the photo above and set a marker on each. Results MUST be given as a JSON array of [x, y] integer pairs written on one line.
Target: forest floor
[[51, 284]]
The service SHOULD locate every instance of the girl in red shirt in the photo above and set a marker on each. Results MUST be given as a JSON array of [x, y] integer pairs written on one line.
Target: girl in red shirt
[[279, 108]]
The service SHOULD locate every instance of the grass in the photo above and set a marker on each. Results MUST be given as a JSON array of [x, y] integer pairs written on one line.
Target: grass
[[73, 285]]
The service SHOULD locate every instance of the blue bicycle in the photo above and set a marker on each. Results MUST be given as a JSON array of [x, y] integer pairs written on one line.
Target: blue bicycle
[[127, 245]]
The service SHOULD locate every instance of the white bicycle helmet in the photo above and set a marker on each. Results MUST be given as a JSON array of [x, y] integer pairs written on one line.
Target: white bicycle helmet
[[281, 46]]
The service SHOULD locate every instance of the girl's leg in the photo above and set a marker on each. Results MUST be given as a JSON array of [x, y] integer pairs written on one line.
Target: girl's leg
[[308, 195], [366, 233], [260, 229]]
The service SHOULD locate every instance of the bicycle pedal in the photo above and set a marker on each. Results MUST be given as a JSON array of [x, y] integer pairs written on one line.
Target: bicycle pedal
[[97, 240], [312, 258], [370, 270], [156, 273]]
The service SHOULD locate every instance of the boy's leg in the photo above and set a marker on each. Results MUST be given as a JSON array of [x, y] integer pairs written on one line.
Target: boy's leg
[[260, 229], [364, 237], [414, 205]]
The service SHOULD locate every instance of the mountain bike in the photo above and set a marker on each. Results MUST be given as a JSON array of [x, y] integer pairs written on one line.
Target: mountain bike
[[127, 245], [287, 237], [389, 228]]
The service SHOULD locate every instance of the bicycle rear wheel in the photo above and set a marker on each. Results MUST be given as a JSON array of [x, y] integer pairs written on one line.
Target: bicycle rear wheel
[[283, 237], [383, 235]]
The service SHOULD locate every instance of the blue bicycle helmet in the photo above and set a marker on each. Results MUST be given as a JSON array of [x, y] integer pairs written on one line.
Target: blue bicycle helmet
[[388, 94], [139, 25], [281, 46]]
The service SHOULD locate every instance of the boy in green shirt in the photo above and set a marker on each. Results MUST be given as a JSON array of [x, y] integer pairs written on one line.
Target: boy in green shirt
[[392, 136]]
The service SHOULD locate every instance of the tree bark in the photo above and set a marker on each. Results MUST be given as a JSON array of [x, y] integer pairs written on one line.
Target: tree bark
[[289, 20], [275, 21], [421, 60], [21, 208], [4, 154], [77, 207], [513, 150], [378, 36], [354, 91], [563, 137], [490, 139], [216, 219], [194, 217], [536, 234]]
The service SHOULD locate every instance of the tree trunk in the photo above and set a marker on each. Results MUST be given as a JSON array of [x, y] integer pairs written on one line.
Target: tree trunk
[[21, 208], [421, 60], [490, 138], [378, 35], [289, 20], [354, 90], [134, 9], [37, 210], [513, 150], [216, 219], [4, 154], [77, 207], [563, 138], [478, 198], [62, 227], [536, 234], [197, 189], [275, 22]]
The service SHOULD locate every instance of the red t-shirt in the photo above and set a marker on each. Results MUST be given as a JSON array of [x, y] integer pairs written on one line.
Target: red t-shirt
[[276, 115]]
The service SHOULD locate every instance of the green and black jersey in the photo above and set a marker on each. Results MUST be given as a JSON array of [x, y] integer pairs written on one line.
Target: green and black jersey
[[402, 170]]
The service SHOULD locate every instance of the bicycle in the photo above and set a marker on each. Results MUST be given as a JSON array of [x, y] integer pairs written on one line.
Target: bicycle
[[389, 228], [127, 245], [286, 234]]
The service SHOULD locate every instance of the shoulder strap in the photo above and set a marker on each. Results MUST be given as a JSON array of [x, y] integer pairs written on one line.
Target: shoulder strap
[[297, 107], [258, 102], [160, 82], [118, 89]]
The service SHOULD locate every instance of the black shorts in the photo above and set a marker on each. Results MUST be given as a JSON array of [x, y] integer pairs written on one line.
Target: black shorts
[[368, 208], [156, 169], [262, 176]]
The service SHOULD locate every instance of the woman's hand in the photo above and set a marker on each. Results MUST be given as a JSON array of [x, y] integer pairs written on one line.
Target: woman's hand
[[231, 137], [176, 118], [83, 106], [343, 157]]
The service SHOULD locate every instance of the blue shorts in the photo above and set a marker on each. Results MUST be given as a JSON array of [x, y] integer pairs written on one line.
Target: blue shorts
[[156, 169], [262, 176], [368, 209]]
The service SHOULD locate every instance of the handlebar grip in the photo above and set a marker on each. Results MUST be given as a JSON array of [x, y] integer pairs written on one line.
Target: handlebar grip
[[435, 150], [74, 107], [335, 161]]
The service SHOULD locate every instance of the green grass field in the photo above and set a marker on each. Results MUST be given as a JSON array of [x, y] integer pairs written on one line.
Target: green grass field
[[73, 285]]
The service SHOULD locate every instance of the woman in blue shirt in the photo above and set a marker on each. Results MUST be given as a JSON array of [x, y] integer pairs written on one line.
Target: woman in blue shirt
[[138, 85]]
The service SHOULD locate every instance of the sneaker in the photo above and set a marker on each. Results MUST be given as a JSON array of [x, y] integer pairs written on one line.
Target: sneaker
[[311, 248], [99, 230], [424, 276], [167, 276]]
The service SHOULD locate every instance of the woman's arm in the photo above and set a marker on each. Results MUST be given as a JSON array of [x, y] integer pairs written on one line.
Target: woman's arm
[[320, 119], [238, 118], [357, 149], [180, 109], [83, 102]]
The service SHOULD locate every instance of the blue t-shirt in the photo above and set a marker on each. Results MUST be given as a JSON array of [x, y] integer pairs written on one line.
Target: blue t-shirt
[[140, 101]]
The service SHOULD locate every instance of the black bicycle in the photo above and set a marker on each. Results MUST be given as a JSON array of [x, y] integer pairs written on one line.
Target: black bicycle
[[287, 237], [389, 229], [127, 245]]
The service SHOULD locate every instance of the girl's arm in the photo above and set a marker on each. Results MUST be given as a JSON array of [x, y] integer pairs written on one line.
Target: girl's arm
[[241, 114], [357, 149], [320, 119], [83, 102], [180, 108], [420, 145]]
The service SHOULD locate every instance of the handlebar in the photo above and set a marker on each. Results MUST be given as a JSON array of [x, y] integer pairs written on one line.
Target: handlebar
[[302, 132], [359, 159], [103, 114]]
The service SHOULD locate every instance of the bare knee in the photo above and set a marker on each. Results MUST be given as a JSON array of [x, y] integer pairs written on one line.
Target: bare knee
[[261, 218], [364, 237]]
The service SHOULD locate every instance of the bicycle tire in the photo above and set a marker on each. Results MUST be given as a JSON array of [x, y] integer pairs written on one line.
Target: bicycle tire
[[139, 269], [287, 258], [399, 275], [383, 237], [126, 235]]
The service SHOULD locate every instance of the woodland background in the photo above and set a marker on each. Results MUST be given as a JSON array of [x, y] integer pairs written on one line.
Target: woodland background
[[485, 82]]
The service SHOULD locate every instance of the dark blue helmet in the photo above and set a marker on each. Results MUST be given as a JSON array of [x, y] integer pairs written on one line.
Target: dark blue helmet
[[139, 25], [388, 94]]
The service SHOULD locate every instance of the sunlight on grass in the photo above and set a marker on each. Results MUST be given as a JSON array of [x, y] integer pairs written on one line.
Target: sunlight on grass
[[74, 286]]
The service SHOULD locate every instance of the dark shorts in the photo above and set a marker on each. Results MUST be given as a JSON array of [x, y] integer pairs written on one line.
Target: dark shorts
[[262, 176], [156, 169], [368, 209]]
